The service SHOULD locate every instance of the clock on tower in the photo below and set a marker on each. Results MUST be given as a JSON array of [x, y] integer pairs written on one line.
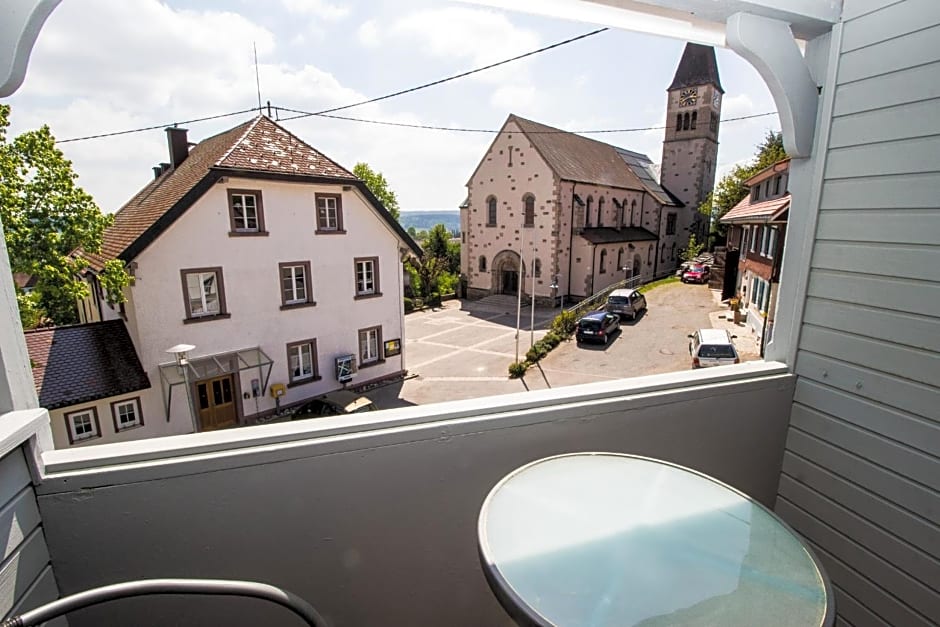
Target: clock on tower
[[688, 97]]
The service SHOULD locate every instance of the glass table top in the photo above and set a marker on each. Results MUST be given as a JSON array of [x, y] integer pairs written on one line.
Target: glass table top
[[600, 539]]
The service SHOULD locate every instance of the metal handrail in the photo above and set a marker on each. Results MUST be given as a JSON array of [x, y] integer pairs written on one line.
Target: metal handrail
[[218, 587]]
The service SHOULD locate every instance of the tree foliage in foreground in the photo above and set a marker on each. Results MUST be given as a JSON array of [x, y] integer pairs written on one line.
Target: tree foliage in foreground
[[377, 184], [731, 188], [46, 218]]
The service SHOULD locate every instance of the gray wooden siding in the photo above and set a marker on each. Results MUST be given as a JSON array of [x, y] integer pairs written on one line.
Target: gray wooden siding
[[861, 474], [26, 579]]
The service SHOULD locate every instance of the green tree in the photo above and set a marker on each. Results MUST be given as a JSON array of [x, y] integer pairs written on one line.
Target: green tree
[[377, 184], [731, 188], [436, 245], [413, 232], [693, 250], [453, 257], [428, 270], [48, 219]]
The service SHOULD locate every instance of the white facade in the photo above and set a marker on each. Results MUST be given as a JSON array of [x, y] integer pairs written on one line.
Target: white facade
[[254, 314]]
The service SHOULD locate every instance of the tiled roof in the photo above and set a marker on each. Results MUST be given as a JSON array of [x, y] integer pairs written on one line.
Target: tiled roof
[[84, 363], [697, 67], [746, 211], [610, 235], [266, 147], [258, 145], [585, 160]]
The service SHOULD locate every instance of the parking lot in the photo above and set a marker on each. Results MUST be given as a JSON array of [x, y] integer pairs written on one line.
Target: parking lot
[[463, 349]]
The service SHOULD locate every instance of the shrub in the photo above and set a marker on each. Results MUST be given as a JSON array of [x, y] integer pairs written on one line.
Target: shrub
[[517, 369], [551, 339], [564, 323], [409, 305]]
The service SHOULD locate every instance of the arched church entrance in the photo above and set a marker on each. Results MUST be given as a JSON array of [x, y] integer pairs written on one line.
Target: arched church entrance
[[506, 277]]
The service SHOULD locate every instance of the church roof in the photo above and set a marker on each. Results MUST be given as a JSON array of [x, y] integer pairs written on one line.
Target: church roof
[[698, 66], [581, 159], [612, 235]]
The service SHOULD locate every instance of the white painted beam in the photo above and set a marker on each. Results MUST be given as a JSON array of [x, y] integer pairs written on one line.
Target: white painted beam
[[22, 20], [769, 46]]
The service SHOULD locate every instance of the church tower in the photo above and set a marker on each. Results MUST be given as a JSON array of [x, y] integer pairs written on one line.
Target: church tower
[[690, 147]]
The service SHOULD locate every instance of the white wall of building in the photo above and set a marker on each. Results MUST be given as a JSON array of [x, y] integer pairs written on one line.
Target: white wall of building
[[200, 238]]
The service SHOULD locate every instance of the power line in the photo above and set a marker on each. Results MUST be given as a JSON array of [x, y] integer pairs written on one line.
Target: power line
[[305, 114], [155, 127], [449, 78], [455, 129]]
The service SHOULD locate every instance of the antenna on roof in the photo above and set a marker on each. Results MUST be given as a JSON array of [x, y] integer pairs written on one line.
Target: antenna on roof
[[257, 77]]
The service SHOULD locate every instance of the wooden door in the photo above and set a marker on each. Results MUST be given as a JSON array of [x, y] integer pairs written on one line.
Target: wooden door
[[215, 403]]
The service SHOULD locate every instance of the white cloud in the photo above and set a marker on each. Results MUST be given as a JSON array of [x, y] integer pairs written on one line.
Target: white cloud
[[318, 8], [478, 35], [368, 34], [516, 98]]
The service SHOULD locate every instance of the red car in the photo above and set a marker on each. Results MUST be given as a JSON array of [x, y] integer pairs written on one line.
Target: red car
[[695, 274]]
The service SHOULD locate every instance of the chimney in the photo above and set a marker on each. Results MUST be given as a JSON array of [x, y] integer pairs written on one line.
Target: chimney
[[179, 145], [157, 171], [164, 167]]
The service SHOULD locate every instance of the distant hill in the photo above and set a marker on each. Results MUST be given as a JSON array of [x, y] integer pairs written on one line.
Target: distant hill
[[425, 220]]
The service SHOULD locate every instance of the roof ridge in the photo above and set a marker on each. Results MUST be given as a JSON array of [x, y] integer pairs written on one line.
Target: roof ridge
[[235, 144], [72, 326]]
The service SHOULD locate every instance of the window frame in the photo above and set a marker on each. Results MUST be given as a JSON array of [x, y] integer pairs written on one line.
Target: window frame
[[223, 310], [379, 346], [672, 220], [481, 263], [600, 212], [308, 285], [376, 285], [94, 422], [322, 229], [134, 400], [234, 231], [603, 263], [492, 210], [528, 211], [292, 380]]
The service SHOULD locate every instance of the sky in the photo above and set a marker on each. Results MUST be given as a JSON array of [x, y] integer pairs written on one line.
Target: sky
[[101, 66]]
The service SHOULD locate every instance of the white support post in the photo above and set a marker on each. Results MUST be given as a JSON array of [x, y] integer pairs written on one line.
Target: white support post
[[16, 377]]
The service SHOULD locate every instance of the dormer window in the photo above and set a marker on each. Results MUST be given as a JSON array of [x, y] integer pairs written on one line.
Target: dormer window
[[246, 214], [777, 180], [755, 193]]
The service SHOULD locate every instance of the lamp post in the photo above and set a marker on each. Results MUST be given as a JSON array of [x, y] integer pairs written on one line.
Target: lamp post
[[179, 353]]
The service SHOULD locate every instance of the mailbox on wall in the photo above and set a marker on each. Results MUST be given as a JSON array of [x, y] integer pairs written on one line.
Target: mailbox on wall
[[345, 368]]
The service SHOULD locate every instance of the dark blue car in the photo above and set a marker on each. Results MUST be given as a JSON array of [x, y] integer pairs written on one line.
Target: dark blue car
[[597, 327]]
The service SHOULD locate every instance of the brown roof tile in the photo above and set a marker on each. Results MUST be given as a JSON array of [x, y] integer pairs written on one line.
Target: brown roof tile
[[256, 145], [83, 363], [585, 160], [762, 211]]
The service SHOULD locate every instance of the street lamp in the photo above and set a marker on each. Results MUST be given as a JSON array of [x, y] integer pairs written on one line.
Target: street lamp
[[179, 353]]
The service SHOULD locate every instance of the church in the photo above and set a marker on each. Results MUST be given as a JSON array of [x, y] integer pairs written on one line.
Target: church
[[584, 214]]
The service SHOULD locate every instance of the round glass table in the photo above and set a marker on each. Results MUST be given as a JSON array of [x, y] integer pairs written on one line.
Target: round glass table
[[604, 539]]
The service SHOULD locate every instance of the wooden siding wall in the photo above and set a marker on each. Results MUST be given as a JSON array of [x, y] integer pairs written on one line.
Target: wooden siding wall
[[26, 579], [861, 478]]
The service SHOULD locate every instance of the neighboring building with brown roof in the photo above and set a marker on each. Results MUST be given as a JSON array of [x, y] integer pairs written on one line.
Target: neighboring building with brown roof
[[89, 378], [272, 260], [757, 229], [585, 213]]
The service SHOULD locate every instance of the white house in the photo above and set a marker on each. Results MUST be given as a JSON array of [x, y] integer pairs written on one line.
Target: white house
[[275, 263]]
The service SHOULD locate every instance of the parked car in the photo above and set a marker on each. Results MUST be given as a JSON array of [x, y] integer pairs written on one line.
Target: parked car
[[695, 273], [712, 347], [597, 326], [333, 404], [626, 303]]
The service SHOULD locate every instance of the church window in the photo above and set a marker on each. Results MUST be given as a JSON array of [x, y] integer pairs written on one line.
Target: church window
[[538, 267], [491, 211], [649, 257], [685, 121], [529, 202], [672, 253], [600, 211], [694, 119], [662, 253], [603, 261], [620, 258], [482, 264], [670, 224], [632, 207], [587, 211], [678, 121]]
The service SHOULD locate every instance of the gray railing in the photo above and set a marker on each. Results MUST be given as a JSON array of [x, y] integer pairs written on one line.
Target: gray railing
[[597, 300]]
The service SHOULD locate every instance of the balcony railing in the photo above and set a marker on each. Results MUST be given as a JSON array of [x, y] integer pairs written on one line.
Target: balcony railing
[[373, 520]]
